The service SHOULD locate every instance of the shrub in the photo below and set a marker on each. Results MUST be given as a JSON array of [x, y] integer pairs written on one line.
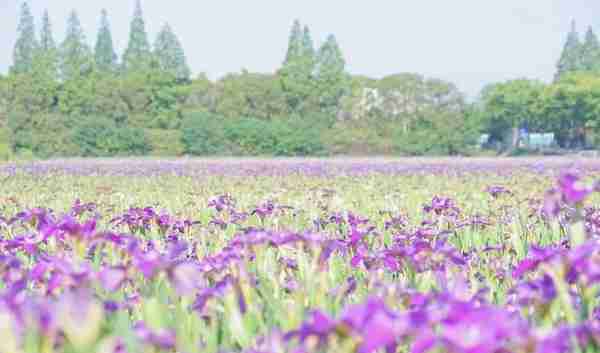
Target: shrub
[[280, 137], [356, 138], [5, 149], [203, 134], [297, 138], [206, 134], [252, 136], [166, 143], [101, 137], [42, 135]]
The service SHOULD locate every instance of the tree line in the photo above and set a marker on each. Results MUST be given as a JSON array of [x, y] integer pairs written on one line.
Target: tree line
[[76, 99]]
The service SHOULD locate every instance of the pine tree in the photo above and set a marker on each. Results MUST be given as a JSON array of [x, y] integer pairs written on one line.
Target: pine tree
[[296, 74], [308, 47], [47, 43], [332, 80], [45, 61], [26, 44], [137, 54], [590, 52], [295, 44], [170, 55], [570, 60], [75, 54], [104, 52]]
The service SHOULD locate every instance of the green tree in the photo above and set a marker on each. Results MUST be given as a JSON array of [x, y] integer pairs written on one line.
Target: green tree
[[203, 134], [308, 47], [137, 54], [43, 135], [47, 43], [570, 106], [75, 54], [295, 43], [590, 52], [400, 98], [45, 65], [104, 53], [570, 59], [250, 94], [99, 137], [332, 80], [511, 105], [26, 43], [170, 55], [296, 73]]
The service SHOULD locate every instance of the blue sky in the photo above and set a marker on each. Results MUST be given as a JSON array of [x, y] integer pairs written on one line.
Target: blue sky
[[470, 42]]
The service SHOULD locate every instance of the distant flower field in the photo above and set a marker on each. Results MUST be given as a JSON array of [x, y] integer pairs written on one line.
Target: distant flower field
[[292, 255]]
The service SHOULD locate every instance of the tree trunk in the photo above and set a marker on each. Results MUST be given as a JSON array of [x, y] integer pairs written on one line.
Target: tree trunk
[[514, 144]]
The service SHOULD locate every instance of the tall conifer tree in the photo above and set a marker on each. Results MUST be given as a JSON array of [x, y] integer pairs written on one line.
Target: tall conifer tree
[[590, 52], [45, 60], [170, 55], [75, 54], [137, 54], [295, 43], [104, 51], [47, 42], [26, 43], [570, 60], [333, 81], [296, 74]]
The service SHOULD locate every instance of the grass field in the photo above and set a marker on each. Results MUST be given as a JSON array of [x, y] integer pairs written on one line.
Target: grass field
[[300, 255]]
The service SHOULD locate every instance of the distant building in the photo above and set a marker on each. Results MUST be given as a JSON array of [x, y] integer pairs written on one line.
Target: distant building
[[540, 140]]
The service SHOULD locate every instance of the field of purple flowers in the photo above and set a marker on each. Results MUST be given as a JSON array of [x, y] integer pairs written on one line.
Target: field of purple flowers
[[276, 256]]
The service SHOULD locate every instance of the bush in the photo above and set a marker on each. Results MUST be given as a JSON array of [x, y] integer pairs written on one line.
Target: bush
[[167, 143], [297, 138], [203, 134], [290, 137], [100, 137], [355, 138], [207, 134], [41, 135], [5, 149], [251, 136]]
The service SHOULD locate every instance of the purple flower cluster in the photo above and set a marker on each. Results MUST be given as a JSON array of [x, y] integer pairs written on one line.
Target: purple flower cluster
[[438, 278]]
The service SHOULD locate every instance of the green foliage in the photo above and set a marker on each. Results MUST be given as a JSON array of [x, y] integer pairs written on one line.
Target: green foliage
[[279, 137], [571, 105], [250, 94], [5, 148], [203, 134], [295, 43], [26, 43], [45, 59], [47, 43], [75, 54], [137, 55], [43, 135], [296, 74], [446, 134], [332, 80], [511, 105], [311, 105], [571, 57], [169, 54], [165, 143], [104, 52], [590, 52], [100, 137], [355, 138]]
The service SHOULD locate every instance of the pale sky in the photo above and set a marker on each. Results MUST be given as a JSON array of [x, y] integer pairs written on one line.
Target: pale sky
[[469, 42]]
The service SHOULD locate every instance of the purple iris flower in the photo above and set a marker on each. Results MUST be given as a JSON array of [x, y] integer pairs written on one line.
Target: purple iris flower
[[572, 188]]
